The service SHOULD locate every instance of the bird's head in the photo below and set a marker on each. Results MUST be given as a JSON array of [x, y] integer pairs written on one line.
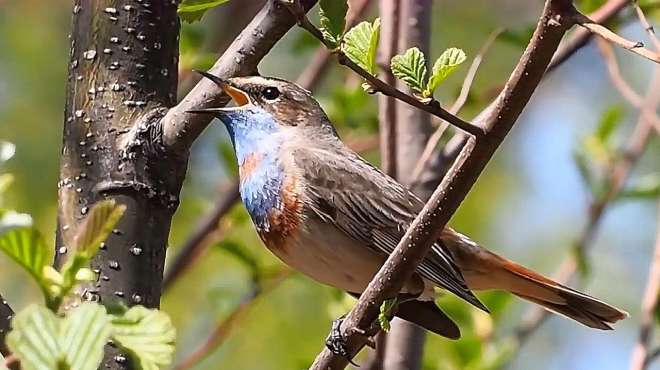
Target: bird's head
[[268, 105]]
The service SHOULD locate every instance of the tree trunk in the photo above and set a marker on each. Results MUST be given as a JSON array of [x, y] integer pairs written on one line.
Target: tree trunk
[[122, 78], [405, 342]]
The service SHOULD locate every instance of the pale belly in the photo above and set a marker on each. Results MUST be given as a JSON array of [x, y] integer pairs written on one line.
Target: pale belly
[[328, 256]]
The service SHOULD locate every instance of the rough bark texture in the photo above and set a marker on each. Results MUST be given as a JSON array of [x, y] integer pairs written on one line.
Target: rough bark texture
[[122, 78], [405, 342], [6, 314]]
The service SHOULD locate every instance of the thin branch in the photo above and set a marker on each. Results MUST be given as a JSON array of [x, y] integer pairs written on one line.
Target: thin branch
[[628, 93], [620, 171], [433, 141], [6, 314], [636, 47], [649, 305], [224, 328], [428, 225], [180, 129], [580, 36], [379, 85], [647, 26]]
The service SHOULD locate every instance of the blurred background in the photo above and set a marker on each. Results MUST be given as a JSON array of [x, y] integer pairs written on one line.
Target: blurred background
[[530, 204]]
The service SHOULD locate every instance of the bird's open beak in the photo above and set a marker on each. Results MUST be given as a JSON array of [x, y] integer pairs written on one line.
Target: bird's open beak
[[238, 96]]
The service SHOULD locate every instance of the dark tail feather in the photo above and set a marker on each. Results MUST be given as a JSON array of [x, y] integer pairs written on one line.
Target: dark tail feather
[[430, 317], [561, 299]]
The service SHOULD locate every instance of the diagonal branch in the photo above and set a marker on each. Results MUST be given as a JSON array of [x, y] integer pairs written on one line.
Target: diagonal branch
[[428, 225], [636, 47]]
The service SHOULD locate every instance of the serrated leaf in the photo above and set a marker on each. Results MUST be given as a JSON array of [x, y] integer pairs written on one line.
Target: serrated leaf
[[333, 19], [44, 341], [97, 226], [27, 248], [361, 43], [147, 334], [645, 187], [410, 67], [449, 60], [193, 10], [7, 151]]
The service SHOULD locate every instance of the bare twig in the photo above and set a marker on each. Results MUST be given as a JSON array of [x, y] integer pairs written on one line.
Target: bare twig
[[533, 319], [223, 328], [647, 26], [445, 200], [433, 141], [649, 305], [621, 84], [581, 36], [636, 47], [379, 85]]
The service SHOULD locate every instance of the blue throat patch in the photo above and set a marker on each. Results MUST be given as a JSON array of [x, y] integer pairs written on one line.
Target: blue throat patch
[[254, 134]]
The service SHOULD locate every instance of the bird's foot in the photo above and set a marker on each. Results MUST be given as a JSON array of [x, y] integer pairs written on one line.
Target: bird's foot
[[336, 342]]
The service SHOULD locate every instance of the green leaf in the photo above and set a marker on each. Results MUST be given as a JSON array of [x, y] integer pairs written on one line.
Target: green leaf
[[10, 220], [609, 122], [385, 314], [410, 68], [27, 248], [645, 187], [193, 10], [584, 268], [97, 226], [44, 341], [449, 60], [147, 334], [333, 20], [581, 160], [361, 43]]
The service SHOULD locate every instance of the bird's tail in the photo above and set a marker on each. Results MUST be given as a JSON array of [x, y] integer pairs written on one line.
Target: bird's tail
[[558, 298], [484, 270]]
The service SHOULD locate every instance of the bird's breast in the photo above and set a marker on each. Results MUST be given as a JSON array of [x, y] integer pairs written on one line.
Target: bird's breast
[[272, 198]]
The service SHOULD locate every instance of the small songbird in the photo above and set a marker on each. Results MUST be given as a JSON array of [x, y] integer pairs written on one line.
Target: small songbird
[[325, 211]]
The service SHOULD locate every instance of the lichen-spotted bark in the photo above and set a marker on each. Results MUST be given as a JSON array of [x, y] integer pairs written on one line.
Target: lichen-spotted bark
[[122, 78]]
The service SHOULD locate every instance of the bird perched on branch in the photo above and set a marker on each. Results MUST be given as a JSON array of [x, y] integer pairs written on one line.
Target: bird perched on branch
[[328, 213]]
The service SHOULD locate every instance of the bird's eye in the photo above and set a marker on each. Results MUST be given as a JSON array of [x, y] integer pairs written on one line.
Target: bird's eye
[[270, 93]]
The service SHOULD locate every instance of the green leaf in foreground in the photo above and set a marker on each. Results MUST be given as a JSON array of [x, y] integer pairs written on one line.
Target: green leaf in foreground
[[97, 226], [645, 187], [449, 60], [193, 10], [27, 248], [410, 67], [360, 45], [147, 334], [333, 19], [385, 314], [44, 341]]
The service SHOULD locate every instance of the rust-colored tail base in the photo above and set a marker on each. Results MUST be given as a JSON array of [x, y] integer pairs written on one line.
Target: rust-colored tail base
[[561, 299]]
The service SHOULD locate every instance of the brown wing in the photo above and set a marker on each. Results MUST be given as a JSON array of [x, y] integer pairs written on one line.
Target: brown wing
[[371, 207]]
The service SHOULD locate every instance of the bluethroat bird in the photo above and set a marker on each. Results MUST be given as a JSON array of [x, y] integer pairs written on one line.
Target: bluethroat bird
[[325, 211]]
